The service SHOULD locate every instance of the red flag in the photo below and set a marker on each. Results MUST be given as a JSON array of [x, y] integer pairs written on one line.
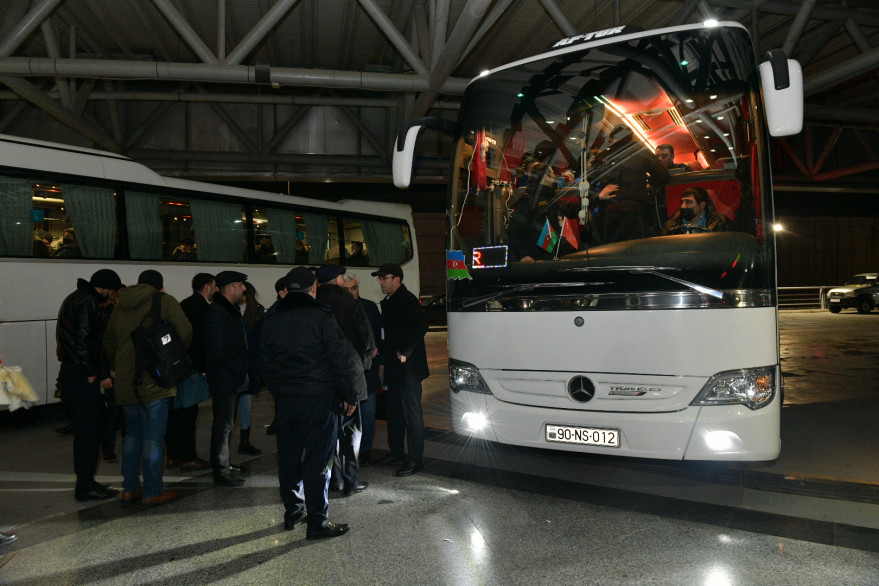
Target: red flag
[[570, 234], [480, 171]]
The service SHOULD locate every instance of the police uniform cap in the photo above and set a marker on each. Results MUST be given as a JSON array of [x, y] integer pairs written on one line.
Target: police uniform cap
[[389, 268], [226, 277], [327, 273]]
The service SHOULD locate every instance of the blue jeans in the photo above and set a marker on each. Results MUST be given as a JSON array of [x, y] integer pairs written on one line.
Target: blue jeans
[[143, 446], [244, 403], [367, 419]]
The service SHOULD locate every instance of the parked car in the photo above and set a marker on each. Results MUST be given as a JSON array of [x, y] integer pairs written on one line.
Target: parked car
[[861, 292]]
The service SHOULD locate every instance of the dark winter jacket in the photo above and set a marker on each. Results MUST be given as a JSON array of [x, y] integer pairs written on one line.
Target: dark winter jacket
[[405, 328], [305, 352], [373, 381], [226, 357], [134, 304], [352, 319], [196, 309], [79, 329]]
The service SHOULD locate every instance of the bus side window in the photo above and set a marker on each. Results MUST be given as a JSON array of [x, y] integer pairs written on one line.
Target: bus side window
[[86, 220]]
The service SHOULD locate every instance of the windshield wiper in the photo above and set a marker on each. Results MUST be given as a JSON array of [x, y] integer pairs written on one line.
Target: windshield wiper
[[649, 270], [518, 288]]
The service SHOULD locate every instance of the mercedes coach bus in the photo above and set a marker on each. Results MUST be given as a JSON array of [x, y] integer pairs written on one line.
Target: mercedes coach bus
[[611, 260], [66, 212]]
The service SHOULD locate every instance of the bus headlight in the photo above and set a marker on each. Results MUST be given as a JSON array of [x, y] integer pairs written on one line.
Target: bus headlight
[[751, 387], [466, 377]]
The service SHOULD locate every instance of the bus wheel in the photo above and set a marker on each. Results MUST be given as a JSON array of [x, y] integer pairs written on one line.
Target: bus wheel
[[865, 305]]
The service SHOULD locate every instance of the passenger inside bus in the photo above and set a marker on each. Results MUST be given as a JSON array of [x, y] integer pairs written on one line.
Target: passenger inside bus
[[185, 251], [696, 214], [666, 155], [69, 247]]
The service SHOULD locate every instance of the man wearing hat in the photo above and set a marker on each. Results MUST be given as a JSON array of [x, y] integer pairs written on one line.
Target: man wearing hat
[[310, 369], [83, 376], [352, 318], [226, 362], [405, 365], [144, 403]]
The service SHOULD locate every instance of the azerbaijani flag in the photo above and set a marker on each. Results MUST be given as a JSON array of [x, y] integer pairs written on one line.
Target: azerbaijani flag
[[456, 268], [571, 235], [548, 237]]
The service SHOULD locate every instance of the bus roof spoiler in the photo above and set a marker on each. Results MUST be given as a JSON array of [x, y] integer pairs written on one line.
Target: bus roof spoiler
[[404, 146], [782, 81]]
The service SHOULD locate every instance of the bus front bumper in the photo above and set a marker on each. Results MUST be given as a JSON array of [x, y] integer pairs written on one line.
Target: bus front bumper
[[723, 432]]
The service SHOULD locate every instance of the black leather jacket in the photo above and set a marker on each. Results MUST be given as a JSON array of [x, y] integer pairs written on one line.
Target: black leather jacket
[[80, 327], [352, 319], [226, 357]]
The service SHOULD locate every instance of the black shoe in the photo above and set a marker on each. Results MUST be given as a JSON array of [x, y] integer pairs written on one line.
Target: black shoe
[[223, 480], [390, 459], [110, 457], [239, 470], [290, 521], [410, 468], [98, 492], [329, 530], [366, 458], [359, 487], [65, 430], [271, 430], [245, 447]]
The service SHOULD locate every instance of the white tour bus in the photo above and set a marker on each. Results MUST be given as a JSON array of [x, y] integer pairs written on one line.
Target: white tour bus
[[600, 301], [66, 212]]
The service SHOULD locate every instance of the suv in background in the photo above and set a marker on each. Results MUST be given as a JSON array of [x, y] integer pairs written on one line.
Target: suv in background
[[861, 292]]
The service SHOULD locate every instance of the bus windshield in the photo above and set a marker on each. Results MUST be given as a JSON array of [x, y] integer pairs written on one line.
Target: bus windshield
[[624, 175]]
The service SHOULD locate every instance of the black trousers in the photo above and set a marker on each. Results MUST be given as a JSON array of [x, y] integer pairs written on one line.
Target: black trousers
[[346, 470], [86, 407], [405, 417], [307, 428], [224, 418], [180, 439]]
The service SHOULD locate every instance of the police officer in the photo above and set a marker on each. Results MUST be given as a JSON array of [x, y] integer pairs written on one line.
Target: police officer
[[405, 366], [311, 369]]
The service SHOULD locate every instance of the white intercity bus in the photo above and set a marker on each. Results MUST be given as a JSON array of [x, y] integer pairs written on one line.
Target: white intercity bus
[[599, 298], [66, 212]]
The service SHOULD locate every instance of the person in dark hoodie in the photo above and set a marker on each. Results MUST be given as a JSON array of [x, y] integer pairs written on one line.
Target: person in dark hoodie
[[226, 361], [313, 375], [83, 376], [355, 324], [144, 403]]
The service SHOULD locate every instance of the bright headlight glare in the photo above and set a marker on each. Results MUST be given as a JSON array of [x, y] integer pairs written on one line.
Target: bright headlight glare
[[751, 387], [466, 377], [475, 421]]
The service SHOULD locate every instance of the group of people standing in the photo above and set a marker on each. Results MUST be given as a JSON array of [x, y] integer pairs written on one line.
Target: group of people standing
[[320, 349]]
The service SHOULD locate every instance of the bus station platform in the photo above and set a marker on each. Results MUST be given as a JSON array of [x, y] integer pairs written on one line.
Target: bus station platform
[[483, 513]]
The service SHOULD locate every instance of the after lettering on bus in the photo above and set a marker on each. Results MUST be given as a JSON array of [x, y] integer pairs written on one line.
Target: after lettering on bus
[[589, 36]]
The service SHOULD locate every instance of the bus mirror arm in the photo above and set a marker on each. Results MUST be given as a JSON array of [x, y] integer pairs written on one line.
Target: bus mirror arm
[[782, 81], [404, 146]]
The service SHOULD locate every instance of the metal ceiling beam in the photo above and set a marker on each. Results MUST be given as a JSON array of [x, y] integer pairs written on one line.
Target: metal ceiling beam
[[247, 74], [33, 19], [440, 29], [390, 31], [334, 160], [35, 96], [258, 33], [186, 32], [489, 21], [792, 8], [286, 129], [180, 96], [842, 113], [844, 71], [419, 16], [558, 18], [467, 23], [798, 26], [52, 49]]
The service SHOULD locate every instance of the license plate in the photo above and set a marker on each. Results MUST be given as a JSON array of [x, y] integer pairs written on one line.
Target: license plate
[[835, 300], [590, 436]]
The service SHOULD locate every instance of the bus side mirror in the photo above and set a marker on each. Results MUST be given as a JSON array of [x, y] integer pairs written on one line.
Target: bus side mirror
[[404, 146], [782, 81]]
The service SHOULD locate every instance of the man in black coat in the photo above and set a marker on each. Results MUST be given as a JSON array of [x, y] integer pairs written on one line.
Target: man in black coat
[[226, 362], [310, 368], [182, 421], [83, 375], [354, 323], [405, 366]]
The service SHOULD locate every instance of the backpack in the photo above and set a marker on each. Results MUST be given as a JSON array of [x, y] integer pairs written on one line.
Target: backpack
[[159, 350]]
